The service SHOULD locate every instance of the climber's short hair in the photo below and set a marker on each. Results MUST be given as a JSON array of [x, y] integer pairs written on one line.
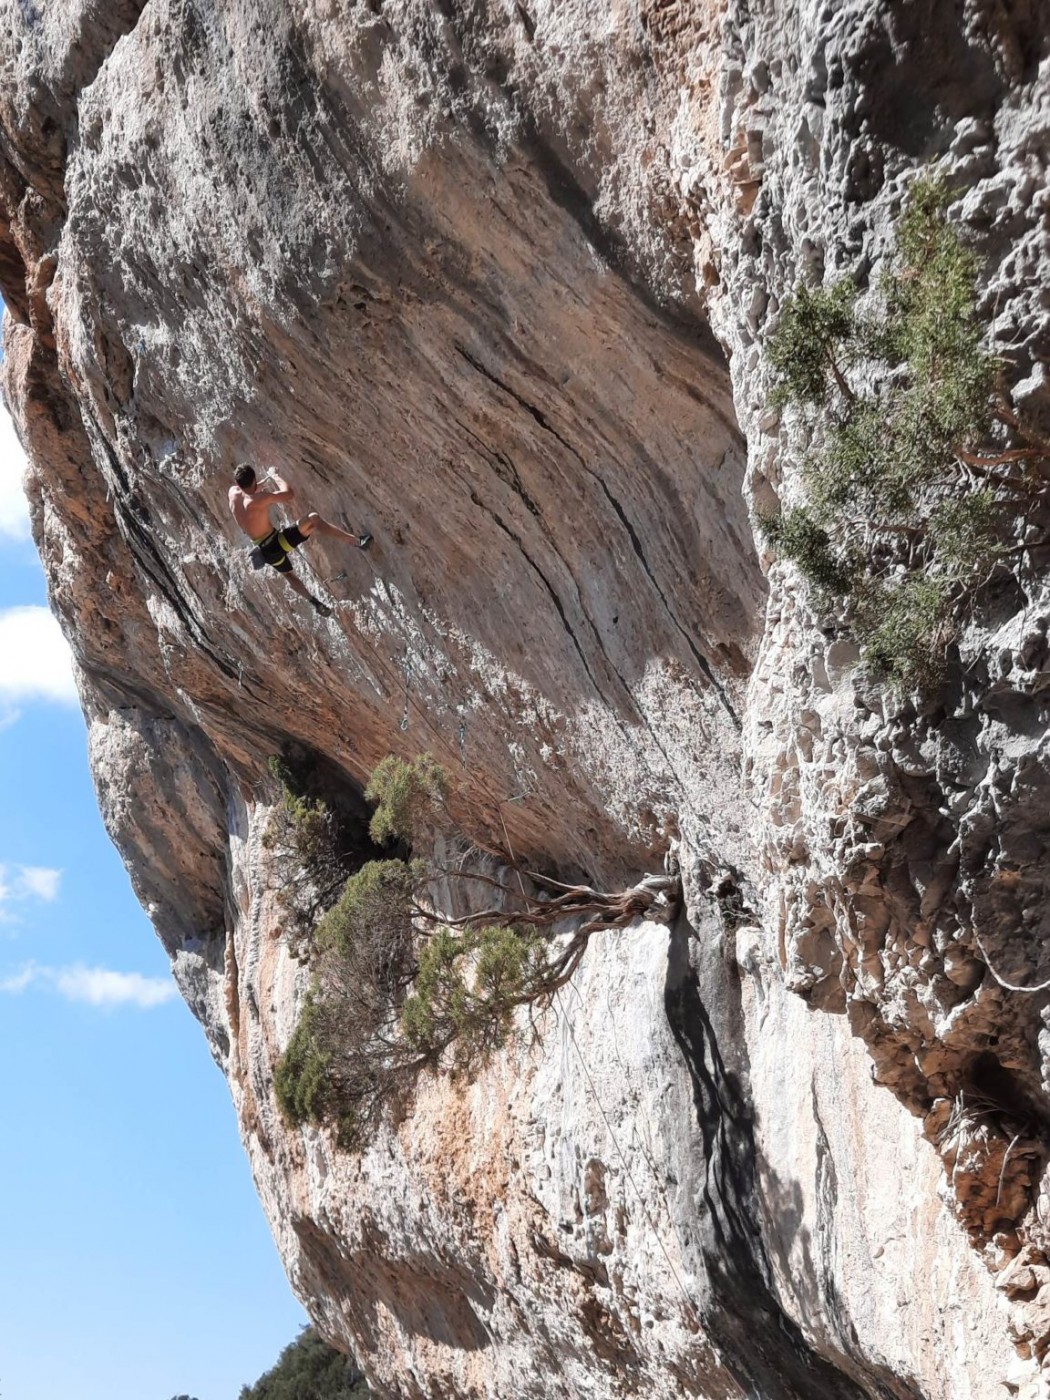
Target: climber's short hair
[[244, 476]]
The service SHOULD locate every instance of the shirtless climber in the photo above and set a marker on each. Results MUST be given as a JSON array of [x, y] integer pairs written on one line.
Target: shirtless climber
[[251, 502]]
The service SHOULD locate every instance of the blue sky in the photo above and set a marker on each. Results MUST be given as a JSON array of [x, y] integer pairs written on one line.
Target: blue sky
[[136, 1262]]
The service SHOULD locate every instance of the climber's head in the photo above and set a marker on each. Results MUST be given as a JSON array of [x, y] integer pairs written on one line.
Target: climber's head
[[244, 476]]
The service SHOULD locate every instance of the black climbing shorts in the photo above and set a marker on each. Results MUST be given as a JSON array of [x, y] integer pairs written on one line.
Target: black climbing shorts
[[278, 544]]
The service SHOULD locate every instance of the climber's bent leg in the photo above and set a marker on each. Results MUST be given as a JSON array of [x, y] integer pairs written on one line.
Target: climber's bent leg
[[314, 523]]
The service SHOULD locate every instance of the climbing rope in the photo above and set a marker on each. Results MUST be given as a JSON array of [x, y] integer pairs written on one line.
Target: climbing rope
[[393, 680], [1007, 986], [690, 1306], [592, 1089]]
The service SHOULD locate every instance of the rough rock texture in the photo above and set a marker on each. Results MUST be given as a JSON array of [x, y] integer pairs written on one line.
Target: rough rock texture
[[494, 280]]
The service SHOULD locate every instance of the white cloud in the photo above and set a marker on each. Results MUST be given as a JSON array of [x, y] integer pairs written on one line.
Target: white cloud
[[37, 660], [95, 986], [19, 981], [100, 987], [37, 882], [21, 883], [14, 509]]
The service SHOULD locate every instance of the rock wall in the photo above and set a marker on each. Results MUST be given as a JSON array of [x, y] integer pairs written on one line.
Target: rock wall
[[493, 280]]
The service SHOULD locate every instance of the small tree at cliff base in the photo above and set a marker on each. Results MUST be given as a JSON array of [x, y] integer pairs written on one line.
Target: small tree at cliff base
[[400, 987], [309, 1369], [909, 492]]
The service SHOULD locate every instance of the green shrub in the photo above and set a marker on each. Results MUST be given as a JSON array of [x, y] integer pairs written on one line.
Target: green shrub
[[408, 796], [968, 529], [892, 465], [796, 535], [343, 1062], [375, 906], [816, 327], [309, 1369], [866, 468], [906, 629], [308, 826], [301, 1080], [467, 989], [354, 1052], [397, 989], [931, 320]]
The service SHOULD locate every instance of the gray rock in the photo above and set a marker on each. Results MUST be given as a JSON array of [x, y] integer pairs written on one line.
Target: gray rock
[[494, 283]]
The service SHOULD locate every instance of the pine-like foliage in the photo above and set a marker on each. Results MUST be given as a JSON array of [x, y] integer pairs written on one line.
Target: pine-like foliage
[[407, 797], [908, 500], [399, 988], [468, 987], [309, 1369]]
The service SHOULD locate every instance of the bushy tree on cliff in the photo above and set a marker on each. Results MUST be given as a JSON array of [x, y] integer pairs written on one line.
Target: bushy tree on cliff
[[400, 987], [912, 483], [309, 1369]]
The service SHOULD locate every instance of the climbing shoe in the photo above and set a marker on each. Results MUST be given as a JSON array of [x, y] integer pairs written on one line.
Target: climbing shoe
[[322, 609], [364, 541]]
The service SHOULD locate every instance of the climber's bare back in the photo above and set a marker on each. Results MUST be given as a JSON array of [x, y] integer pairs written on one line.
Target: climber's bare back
[[251, 509]]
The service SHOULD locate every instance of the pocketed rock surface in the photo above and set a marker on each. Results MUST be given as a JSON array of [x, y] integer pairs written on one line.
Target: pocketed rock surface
[[495, 282]]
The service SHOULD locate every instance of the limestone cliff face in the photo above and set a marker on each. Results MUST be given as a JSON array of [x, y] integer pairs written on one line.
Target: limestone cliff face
[[494, 280]]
